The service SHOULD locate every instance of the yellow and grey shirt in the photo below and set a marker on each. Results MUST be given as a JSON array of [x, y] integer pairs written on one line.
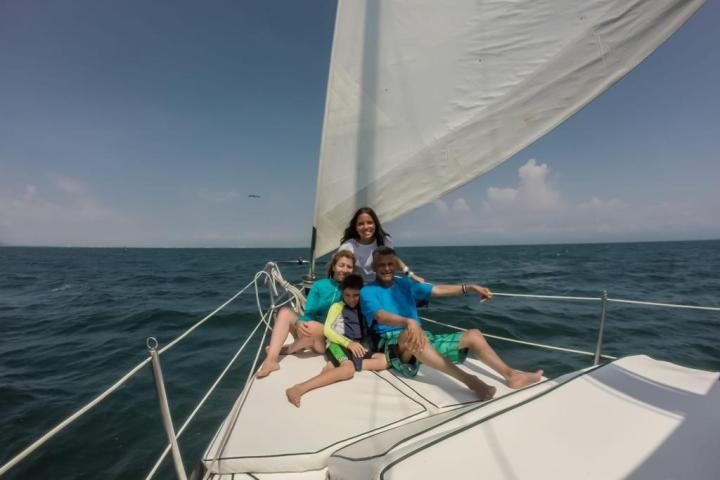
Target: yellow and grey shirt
[[344, 324]]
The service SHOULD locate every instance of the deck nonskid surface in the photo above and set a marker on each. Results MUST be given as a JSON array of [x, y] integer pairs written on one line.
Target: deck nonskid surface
[[271, 435]]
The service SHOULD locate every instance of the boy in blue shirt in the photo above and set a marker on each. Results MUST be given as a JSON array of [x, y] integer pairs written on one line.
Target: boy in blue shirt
[[389, 307]]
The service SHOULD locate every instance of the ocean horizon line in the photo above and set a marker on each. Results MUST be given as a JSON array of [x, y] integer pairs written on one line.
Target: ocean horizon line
[[197, 247]]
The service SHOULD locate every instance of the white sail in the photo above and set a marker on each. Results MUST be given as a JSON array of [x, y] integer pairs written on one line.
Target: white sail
[[423, 96]]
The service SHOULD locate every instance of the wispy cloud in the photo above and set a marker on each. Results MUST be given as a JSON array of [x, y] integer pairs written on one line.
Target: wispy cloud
[[65, 213], [67, 184]]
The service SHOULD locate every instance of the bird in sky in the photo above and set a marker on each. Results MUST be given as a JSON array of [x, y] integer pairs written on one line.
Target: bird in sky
[[252, 195]]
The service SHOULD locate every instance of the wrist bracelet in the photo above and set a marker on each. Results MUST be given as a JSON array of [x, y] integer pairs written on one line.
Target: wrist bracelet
[[464, 287]]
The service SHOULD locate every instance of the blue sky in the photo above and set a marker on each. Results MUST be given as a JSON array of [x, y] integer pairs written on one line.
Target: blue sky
[[149, 123]]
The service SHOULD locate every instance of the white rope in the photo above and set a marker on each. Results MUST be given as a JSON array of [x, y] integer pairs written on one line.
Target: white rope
[[290, 288], [59, 427], [671, 305], [555, 297], [191, 329], [522, 342]]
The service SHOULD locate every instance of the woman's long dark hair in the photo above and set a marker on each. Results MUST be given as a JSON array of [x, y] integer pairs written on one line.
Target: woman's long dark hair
[[351, 230]]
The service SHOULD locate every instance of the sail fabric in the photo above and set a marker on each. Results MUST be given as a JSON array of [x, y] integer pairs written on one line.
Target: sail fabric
[[424, 96]]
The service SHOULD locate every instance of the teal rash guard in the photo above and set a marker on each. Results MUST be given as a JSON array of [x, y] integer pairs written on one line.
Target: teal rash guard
[[322, 295]]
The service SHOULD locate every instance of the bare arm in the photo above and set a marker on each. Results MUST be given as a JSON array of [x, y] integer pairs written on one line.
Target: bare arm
[[387, 318], [402, 267], [416, 339], [455, 290]]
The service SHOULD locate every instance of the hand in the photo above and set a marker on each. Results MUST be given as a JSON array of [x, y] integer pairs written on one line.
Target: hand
[[485, 293], [357, 349], [304, 329], [416, 339], [417, 278]]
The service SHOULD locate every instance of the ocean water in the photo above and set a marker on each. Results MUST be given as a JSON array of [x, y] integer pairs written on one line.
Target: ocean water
[[73, 320]]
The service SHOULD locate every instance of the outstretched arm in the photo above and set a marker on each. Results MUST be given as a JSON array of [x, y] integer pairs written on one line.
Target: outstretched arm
[[406, 270], [455, 290]]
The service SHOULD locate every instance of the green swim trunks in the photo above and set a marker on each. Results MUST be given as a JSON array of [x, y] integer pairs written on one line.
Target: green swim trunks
[[448, 344], [337, 354]]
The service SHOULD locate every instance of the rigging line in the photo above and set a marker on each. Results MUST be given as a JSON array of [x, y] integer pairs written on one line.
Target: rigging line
[[60, 426], [202, 401], [671, 305], [235, 412], [162, 457], [37, 443], [555, 297], [522, 342], [191, 329]]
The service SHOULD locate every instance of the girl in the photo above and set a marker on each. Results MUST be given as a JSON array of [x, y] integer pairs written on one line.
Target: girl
[[362, 236], [307, 330]]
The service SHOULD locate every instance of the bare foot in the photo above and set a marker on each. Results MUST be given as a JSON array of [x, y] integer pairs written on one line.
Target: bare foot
[[294, 395], [481, 389], [519, 379], [267, 368]]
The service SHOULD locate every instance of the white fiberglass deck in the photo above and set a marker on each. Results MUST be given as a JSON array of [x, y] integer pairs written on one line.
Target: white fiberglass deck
[[633, 418], [271, 435]]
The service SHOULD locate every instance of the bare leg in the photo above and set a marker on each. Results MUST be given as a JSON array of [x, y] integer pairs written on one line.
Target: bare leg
[[284, 319], [433, 359], [345, 371], [376, 362], [315, 340], [475, 341]]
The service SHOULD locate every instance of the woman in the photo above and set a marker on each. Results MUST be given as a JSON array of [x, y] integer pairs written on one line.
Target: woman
[[307, 330], [362, 236]]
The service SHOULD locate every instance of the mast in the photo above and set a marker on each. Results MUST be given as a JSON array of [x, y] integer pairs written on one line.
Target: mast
[[313, 236]]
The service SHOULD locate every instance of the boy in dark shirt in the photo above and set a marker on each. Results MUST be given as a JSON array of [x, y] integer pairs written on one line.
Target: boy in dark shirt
[[349, 347]]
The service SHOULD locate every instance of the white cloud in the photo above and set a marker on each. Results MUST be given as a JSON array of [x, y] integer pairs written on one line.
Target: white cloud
[[534, 192], [458, 206], [535, 210]]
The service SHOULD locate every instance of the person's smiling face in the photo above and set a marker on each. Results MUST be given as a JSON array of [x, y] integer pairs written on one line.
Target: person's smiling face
[[365, 227], [343, 267], [384, 266]]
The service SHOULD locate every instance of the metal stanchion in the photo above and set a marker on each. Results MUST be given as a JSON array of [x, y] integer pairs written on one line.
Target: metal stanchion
[[603, 314], [152, 345]]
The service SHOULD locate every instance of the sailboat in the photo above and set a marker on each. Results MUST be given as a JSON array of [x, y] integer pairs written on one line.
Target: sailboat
[[424, 96]]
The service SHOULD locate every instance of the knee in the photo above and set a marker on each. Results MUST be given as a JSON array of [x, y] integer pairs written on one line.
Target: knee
[[286, 315], [475, 337], [348, 370]]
